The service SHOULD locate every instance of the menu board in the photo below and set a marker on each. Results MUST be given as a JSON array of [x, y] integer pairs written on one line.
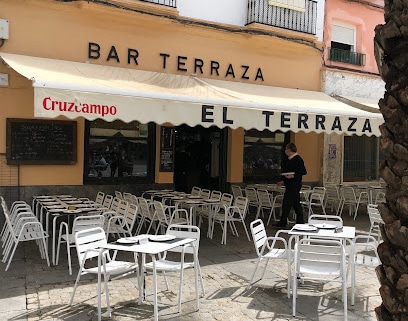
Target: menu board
[[41, 142], [167, 139]]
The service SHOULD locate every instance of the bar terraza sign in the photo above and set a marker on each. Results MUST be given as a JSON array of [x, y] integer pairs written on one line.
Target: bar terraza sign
[[183, 63]]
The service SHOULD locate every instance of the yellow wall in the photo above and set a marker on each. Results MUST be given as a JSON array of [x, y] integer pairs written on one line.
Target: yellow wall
[[309, 148], [235, 155], [63, 30]]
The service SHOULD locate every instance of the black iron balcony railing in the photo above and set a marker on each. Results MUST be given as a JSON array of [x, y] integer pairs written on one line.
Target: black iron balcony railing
[[261, 12], [346, 56], [167, 3]]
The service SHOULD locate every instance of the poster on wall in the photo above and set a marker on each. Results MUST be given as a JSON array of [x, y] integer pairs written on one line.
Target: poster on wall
[[167, 140], [332, 150]]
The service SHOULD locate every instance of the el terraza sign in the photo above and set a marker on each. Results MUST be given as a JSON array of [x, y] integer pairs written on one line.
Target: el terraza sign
[[218, 115]]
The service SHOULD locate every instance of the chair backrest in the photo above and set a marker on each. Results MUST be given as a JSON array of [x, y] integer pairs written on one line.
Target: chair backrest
[[122, 207], [236, 190], [318, 192], [226, 200], [144, 207], [115, 204], [160, 213], [320, 257], [195, 191], [379, 197], [348, 194], [374, 214], [87, 222], [216, 195], [242, 204], [306, 187], [258, 234], [332, 192], [205, 193], [328, 219], [264, 198], [131, 215], [119, 195], [100, 197], [366, 244], [185, 231], [251, 194], [126, 196], [89, 239], [107, 201]]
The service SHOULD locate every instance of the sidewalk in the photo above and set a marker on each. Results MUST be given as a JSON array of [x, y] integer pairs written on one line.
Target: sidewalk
[[32, 291]]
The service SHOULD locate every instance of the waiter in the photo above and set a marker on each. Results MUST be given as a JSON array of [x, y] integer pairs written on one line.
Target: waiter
[[292, 180]]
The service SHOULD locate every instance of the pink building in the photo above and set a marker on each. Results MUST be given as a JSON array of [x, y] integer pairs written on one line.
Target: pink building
[[351, 75]]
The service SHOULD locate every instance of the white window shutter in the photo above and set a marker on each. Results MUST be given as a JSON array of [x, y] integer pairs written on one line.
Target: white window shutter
[[343, 34], [298, 5]]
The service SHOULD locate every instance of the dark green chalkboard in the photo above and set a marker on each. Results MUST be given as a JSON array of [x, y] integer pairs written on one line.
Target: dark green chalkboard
[[41, 142]]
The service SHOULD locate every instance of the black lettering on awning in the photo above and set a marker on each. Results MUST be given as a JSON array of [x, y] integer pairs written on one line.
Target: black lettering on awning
[[285, 120], [225, 119], [267, 114], [353, 121], [302, 120], [367, 126], [336, 123], [320, 119], [207, 110]]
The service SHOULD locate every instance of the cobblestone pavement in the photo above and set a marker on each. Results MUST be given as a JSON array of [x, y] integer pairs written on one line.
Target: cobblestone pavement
[[32, 291]]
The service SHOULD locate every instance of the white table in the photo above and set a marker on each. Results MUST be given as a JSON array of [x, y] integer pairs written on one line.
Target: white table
[[153, 249]]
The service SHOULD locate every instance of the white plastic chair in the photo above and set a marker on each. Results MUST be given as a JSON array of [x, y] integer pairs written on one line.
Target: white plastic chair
[[164, 265], [269, 248], [67, 237], [252, 196], [266, 202], [100, 196], [231, 215], [25, 229], [375, 220], [123, 223], [364, 253], [236, 191], [195, 191], [347, 198], [89, 244], [315, 199], [332, 197], [320, 260]]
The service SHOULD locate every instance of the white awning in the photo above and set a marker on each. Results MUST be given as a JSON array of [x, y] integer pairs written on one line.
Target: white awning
[[74, 89], [367, 104]]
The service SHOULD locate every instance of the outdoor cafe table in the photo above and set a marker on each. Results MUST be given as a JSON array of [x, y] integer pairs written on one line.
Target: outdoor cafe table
[[59, 206], [145, 246]]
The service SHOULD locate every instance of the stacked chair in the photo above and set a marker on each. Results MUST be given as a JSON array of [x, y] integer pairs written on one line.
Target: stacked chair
[[21, 226]]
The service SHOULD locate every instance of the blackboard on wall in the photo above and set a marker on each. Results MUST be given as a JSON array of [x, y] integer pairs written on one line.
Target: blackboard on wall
[[41, 142], [167, 139]]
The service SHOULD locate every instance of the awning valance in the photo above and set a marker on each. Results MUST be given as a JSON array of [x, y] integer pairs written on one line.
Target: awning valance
[[74, 89]]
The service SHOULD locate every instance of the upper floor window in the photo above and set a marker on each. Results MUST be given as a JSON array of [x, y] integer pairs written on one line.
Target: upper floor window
[[343, 44]]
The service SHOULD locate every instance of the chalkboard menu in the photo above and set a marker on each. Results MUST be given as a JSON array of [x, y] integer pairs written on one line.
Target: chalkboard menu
[[167, 139], [41, 142]]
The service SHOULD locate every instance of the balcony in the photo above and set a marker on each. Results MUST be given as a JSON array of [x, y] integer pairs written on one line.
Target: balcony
[[167, 3], [259, 11], [347, 56]]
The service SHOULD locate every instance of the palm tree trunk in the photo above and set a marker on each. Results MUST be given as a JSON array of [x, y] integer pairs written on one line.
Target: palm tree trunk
[[391, 51]]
